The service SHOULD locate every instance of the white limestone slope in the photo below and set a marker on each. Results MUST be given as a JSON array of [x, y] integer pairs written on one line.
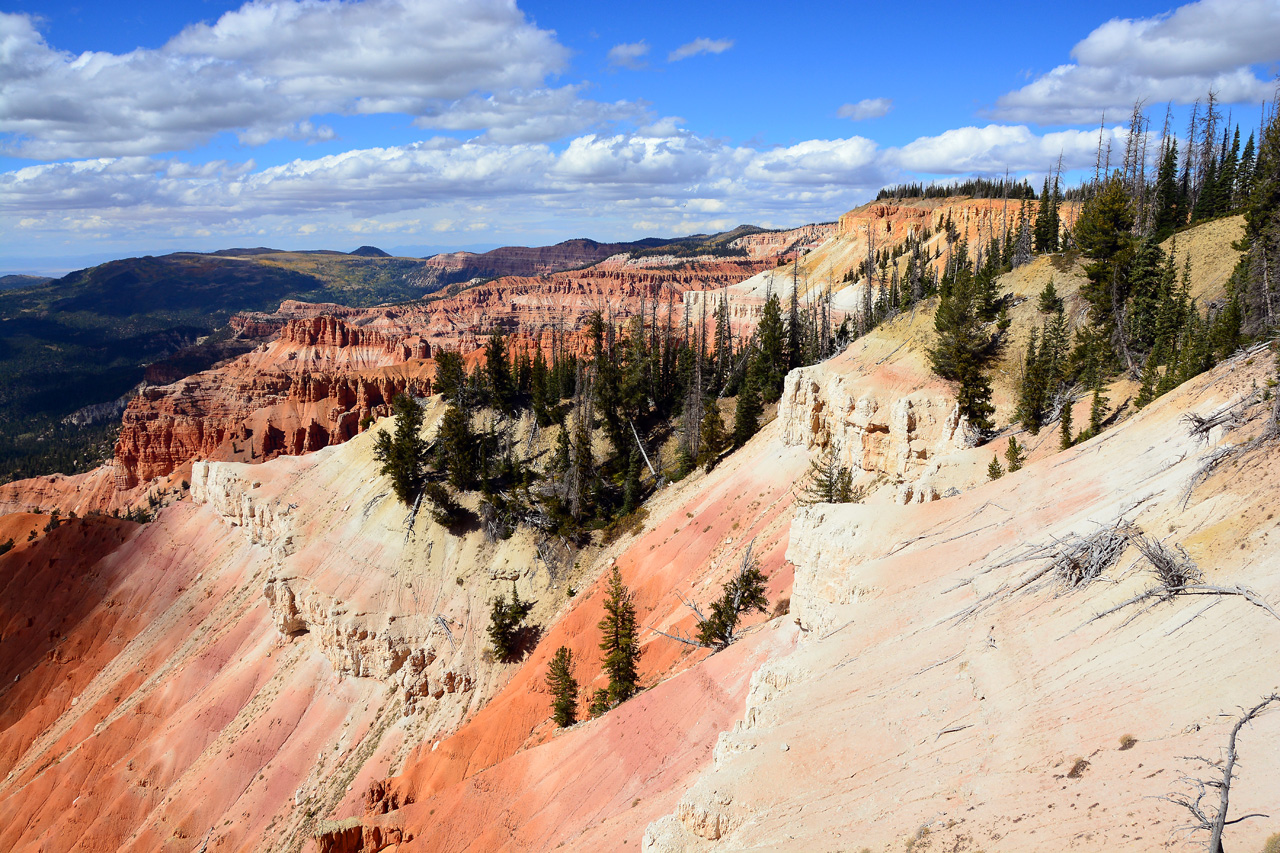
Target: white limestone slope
[[940, 701]]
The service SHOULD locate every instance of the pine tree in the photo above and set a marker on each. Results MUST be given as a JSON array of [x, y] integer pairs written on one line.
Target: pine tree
[[563, 687], [994, 471], [456, 448], [1043, 239], [746, 417], [620, 641], [1066, 439], [744, 592], [560, 458], [965, 350], [505, 624], [1015, 455], [1097, 410], [631, 488], [1032, 389], [1103, 234], [1050, 301], [540, 392], [1147, 392], [713, 436], [582, 471], [443, 507], [1244, 176], [828, 482], [451, 376], [795, 332], [770, 364], [1259, 275], [1168, 216], [403, 454]]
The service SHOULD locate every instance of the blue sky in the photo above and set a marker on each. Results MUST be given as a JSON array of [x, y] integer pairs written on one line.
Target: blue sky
[[432, 124]]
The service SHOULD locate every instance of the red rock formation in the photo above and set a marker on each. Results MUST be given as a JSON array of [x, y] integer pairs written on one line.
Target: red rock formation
[[331, 367]]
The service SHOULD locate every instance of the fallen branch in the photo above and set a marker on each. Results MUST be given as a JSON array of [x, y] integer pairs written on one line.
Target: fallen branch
[[938, 664], [1176, 574], [1080, 560]]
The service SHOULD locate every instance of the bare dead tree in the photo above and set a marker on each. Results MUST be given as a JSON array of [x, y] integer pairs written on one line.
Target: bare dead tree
[[741, 594], [1208, 817]]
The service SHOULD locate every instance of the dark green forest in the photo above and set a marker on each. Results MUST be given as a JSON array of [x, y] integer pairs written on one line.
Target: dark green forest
[[88, 338]]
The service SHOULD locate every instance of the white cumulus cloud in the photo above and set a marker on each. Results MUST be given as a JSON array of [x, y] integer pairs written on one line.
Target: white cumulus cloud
[[1178, 56], [266, 70]]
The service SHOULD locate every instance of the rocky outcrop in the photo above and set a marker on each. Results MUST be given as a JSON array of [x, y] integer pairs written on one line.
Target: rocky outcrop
[[310, 388], [885, 423], [400, 652], [266, 523], [773, 244]]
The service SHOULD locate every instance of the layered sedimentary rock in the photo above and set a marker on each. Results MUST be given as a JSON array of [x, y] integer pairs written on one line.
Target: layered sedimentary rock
[[309, 388], [331, 368], [236, 673]]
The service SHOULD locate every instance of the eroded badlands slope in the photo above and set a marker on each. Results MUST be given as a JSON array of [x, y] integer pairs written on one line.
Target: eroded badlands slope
[[947, 693], [283, 661]]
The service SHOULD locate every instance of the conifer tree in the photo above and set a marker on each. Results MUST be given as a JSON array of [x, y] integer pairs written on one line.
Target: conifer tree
[[744, 592], [539, 388], [582, 472], [1147, 392], [1167, 214], [1103, 234], [1049, 301], [1032, 388], [1244, 176], [1015, 455], [1042, 236], [620, 641], [498, 371], [828, 482], [713, 436], [770, 364], [795, 332], [964, 349], [994, 471], [403, 454], [1066, 439], [456, 448], [505, 621], [451, 376], [631, 488], [1097, 410], [1259, 276], [560, 457], [746, 417], [563, 687]]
